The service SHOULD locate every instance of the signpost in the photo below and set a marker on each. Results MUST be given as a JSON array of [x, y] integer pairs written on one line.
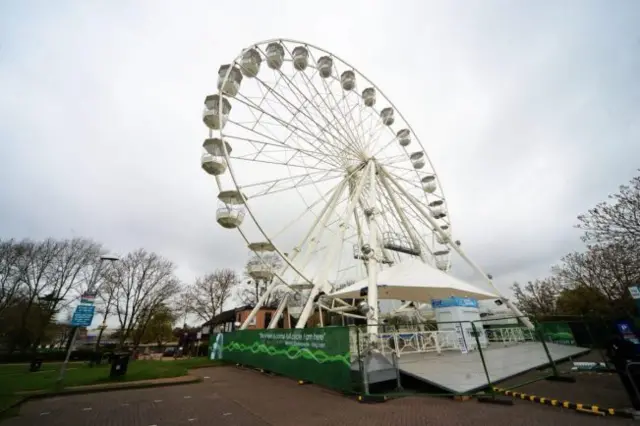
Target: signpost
[[83, 315]]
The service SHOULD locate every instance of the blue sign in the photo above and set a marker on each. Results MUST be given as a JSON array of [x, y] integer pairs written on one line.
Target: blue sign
[[83, 316], [627, 332], [454, 301]]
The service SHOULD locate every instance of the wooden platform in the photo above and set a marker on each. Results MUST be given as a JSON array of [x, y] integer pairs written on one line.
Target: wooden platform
[[461, 373]]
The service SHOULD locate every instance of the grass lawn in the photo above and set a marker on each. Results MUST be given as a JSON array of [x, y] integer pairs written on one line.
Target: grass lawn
[[17, 378]]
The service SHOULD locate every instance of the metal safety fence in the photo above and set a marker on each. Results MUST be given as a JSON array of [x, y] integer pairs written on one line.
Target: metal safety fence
[[488, 357]]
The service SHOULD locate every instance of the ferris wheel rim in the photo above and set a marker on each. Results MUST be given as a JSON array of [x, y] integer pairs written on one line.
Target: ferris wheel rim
[[233, 175], [373, 84]]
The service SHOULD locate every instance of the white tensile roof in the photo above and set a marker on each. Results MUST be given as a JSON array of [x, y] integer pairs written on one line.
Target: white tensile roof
[[416, 281]]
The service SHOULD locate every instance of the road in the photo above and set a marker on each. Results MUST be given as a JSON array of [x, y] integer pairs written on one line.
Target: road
[[231, 396]]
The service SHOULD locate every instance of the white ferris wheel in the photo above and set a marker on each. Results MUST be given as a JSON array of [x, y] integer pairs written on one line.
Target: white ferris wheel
[[316, 166]]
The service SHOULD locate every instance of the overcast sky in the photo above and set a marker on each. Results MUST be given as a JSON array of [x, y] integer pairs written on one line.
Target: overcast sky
[[530, 112]]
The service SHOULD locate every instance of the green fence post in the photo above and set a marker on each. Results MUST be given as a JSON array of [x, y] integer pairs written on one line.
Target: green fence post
[[491, 398], [593, 343], [556, 376]]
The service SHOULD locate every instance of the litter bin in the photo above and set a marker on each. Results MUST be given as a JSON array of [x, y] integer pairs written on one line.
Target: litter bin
[[35, 365], [119, 364]]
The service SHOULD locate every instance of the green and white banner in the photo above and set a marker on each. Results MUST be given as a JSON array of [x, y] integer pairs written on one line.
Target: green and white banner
[[317, 355]]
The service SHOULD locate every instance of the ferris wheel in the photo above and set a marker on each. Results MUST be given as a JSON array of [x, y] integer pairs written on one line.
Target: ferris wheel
[[317, 167]]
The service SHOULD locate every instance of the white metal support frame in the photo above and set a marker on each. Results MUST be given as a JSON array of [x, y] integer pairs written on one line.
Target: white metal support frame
[[329, 128], [321, 282], [403, 217], [458, 250], [321, 219], [372, 293]]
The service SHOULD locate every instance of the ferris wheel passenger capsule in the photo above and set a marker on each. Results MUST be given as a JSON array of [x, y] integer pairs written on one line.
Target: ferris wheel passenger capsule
[[443, 264], [404, 137], [437, 209], [250, 63], [213, 161], [300, 58], [259, 267], [369, 96], [212, 116], [444, 236], [325, 66], [348, 80], [231, 85], [387, 116], [429, 184], [275, 55], [417, 159], [443, 260], [231, 211]]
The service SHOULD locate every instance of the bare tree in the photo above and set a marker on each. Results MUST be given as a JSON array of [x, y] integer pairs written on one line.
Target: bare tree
[[143, 281], [70, 269], [608, 270], [537, 297], [250, 291], [206, 297], [34, 267], [616, 221], [9, 276], [106, 297]]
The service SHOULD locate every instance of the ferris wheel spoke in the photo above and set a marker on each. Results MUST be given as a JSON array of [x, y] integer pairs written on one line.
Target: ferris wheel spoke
[[286, 124], [296, 110], [386, 145], [252, 158], [331, 119], [279, 147], [332, 193], [305, 102], [282, 76], [344, 124], [323, 158], [260, 189], [359, 125], [278, 122], [348, 137]]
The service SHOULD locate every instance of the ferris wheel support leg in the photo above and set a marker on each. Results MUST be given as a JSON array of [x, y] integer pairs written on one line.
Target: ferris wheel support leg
[[248, 209], [322, 218], [281, 307], [259, 304], [458, 250], [372, 293], [322, 221], [335, 248]]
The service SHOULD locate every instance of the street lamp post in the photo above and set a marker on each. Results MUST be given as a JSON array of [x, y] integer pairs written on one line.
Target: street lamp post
[[90, 291]]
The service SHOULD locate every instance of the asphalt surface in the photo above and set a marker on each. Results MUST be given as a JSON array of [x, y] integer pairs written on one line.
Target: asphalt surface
[[230, 396]]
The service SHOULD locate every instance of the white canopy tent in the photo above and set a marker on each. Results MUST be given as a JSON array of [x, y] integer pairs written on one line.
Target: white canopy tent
[[416, 281]]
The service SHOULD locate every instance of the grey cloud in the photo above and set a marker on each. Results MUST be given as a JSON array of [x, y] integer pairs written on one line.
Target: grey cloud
[[528, 113]]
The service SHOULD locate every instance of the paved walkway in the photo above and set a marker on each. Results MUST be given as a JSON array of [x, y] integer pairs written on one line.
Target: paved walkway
[[230, 396]]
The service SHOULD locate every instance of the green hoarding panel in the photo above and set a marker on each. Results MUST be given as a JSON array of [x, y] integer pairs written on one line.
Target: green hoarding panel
[[317, 355]]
